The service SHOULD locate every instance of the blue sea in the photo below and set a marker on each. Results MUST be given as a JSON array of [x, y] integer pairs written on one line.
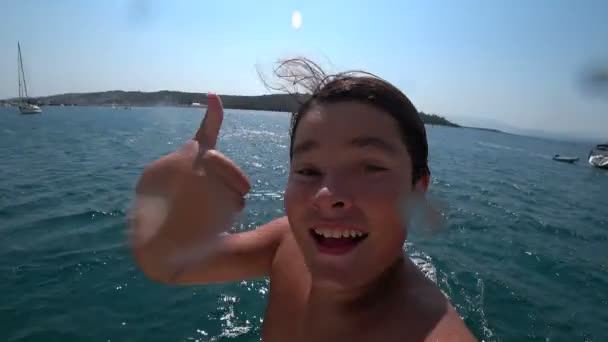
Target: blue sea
[[523, 257]]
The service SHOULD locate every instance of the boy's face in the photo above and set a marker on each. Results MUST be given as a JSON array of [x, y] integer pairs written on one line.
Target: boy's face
[[349, 178]]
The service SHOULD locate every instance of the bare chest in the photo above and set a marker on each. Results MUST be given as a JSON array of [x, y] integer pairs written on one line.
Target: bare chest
[[290, 317], [286, 322]]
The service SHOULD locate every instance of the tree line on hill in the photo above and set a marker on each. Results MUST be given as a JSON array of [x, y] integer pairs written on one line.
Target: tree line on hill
[[273, 102]]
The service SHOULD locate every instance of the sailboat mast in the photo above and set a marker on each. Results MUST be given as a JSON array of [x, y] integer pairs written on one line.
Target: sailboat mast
[[22, 72], [19, 69]]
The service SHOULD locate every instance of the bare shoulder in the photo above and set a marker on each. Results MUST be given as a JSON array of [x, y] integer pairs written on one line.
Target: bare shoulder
[[451, 328], [441, 321]]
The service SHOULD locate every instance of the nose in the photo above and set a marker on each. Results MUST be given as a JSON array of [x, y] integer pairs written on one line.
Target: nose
[[331, 198]]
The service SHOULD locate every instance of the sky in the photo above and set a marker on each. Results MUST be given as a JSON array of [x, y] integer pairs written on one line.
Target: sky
[[516, 64]]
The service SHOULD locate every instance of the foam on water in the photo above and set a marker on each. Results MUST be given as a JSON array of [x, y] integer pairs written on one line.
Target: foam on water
[[424, 263]]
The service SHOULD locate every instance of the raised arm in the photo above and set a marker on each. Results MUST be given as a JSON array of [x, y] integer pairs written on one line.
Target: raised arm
[[184, 204]]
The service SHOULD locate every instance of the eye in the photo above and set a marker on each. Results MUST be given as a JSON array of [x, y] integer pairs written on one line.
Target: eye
[[373, 168], [308, 172]]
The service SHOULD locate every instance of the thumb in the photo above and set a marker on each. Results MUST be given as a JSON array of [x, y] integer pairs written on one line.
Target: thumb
[[207, 133]]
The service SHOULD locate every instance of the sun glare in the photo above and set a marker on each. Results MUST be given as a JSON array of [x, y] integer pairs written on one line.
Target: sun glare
[[296, 20]]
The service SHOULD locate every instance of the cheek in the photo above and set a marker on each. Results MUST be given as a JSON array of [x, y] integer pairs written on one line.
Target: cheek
[[384, 193], [297, 204], [382, 202], [297, 196]]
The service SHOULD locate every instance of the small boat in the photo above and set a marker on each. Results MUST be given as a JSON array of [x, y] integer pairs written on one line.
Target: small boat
[[565, 159], [25, 106], [598, 157]]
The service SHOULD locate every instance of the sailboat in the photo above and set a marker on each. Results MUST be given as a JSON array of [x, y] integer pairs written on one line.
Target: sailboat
[[25, 107]]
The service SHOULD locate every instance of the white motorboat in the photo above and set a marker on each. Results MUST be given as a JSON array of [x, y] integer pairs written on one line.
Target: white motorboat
[[598, 157]]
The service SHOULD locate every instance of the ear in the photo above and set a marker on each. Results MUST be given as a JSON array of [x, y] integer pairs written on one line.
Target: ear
[[422, 184]]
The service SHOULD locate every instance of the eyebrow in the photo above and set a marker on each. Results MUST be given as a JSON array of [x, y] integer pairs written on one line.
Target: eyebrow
[[361, 142]]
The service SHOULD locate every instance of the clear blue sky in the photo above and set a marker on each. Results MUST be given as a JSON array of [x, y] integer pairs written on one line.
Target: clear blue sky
[[518, 62]]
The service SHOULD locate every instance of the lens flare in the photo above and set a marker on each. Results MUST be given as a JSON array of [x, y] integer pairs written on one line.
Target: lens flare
[[296, 20]]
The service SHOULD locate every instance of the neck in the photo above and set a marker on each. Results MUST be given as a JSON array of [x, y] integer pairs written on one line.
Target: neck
[[375, 293]]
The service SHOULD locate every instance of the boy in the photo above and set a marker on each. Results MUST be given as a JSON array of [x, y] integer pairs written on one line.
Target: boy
[[358, 153]]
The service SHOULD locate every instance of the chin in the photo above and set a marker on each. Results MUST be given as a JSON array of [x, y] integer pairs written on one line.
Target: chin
[[337, 280]]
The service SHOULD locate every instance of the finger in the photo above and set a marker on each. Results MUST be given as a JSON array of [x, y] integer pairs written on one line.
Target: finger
[[210, 126], [227, 170]]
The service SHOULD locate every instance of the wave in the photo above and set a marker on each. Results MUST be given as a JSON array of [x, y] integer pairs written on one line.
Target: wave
[[498, 146]]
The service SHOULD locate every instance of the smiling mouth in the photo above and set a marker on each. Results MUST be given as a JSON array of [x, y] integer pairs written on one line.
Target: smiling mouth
[[337, 242]]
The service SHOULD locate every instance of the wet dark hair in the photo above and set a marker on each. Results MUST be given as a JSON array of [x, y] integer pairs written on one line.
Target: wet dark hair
[[312, 87]]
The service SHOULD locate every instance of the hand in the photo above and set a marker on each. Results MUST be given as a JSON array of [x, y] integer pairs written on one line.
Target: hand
[[185, 199]]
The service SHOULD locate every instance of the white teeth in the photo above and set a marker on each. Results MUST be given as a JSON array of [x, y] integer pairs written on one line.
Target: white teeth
[[336, 234], [322, 232]]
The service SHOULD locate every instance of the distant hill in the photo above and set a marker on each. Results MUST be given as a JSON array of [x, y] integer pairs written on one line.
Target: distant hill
[[278, 102], [434, 119], [274, 102]]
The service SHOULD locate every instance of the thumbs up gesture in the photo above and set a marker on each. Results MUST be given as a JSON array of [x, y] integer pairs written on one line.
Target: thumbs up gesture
[[185, 199]]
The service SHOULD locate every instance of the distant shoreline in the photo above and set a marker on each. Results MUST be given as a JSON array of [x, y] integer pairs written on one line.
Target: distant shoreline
[[273, 102], [488, 130]]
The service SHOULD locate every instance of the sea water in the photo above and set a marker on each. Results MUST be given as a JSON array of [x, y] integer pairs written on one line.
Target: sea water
[[523, 254]]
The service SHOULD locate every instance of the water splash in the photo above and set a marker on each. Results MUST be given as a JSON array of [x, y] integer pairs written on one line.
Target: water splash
[[424, 263], [231, 325]]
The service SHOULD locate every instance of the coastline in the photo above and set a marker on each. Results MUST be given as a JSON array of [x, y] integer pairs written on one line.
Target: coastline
[[119, 99]]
